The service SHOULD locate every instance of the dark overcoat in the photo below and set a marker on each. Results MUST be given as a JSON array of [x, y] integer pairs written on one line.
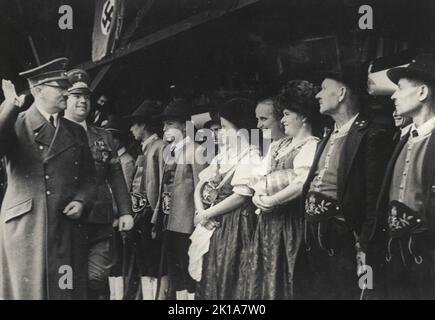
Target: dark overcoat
[[43, 253]]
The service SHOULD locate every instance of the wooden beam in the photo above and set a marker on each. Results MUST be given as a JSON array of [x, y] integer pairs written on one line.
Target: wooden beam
[[35, 52], [165, 33], [124, 40]]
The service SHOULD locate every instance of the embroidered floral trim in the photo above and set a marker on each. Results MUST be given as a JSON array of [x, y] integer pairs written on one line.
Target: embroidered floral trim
[[312, 208], [397, 221]]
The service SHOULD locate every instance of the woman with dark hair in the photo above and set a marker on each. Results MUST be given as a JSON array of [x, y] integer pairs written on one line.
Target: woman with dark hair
[[223, 203], [279, 229]]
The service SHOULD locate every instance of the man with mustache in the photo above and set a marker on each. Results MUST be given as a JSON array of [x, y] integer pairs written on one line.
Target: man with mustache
[[50, 182]]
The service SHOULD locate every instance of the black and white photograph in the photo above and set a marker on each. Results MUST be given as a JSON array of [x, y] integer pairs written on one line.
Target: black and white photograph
[[198, 151]]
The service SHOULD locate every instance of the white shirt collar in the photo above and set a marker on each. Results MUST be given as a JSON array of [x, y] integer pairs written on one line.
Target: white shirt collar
[[121, 151], [180, 144], [404, 131], [147, 141], [47, 115], [346, 127], [423, 130]]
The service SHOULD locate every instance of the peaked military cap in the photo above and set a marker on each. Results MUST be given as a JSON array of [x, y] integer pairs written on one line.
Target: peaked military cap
[[79, 80], [54, 70]]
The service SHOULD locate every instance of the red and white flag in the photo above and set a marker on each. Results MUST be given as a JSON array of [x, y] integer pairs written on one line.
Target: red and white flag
[[108, 20]]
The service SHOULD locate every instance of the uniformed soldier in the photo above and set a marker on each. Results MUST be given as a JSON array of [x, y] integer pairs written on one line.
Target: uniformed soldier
[[406, 202], [341, 189], [50, 183], [110, 180]]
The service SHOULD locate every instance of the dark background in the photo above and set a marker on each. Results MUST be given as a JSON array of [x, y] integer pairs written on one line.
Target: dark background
[[251, 51]]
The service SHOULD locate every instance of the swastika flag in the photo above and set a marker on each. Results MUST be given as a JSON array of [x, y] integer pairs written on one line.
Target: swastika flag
[[108, 20]]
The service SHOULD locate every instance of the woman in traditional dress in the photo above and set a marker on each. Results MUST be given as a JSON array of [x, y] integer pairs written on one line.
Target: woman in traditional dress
[[223, 202], [279, 230]]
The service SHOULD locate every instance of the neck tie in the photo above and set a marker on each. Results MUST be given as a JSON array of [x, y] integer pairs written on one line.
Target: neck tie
[[414, 133], [51, 119]]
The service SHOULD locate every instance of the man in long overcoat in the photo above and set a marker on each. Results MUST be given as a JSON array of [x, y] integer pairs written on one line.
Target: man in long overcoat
[[51, 181]]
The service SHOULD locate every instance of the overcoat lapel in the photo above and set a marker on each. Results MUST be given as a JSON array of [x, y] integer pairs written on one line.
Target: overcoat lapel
[[62, 140], [43, 131]]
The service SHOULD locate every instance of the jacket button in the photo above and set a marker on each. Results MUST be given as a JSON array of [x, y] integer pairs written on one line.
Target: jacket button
[[47, 177], [75, 178], [76, 163], [41, 147], [48, 192]]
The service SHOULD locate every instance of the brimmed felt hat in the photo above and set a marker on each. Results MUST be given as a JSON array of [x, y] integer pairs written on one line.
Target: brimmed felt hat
[[148, 111], [178, 109], [352, 76], [421, 68], [240, 112]]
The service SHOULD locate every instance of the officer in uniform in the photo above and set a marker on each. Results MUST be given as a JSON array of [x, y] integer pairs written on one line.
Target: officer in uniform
[[110, 180], [50, 184], [341, 189], [406, 202]]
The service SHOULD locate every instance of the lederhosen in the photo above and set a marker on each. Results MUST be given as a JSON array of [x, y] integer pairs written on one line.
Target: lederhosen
[[145, 251], [176, 243], [408, 261], [330, 248], [319, 209]]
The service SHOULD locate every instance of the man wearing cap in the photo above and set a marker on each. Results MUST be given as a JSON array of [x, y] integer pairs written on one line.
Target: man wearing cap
[[406, 202], [51, 180], [341, 190], [175, 210], [110, 180], [144, 190]]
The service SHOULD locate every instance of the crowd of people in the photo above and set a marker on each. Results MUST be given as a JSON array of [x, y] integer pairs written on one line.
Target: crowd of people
[[300, 210]]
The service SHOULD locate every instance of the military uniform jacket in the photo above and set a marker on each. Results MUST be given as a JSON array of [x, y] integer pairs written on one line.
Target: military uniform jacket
[[361, 167], [47, 168], [110, 178]]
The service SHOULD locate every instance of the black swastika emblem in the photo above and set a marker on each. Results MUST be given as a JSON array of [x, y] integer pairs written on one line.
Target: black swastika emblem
[[107, 16]]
